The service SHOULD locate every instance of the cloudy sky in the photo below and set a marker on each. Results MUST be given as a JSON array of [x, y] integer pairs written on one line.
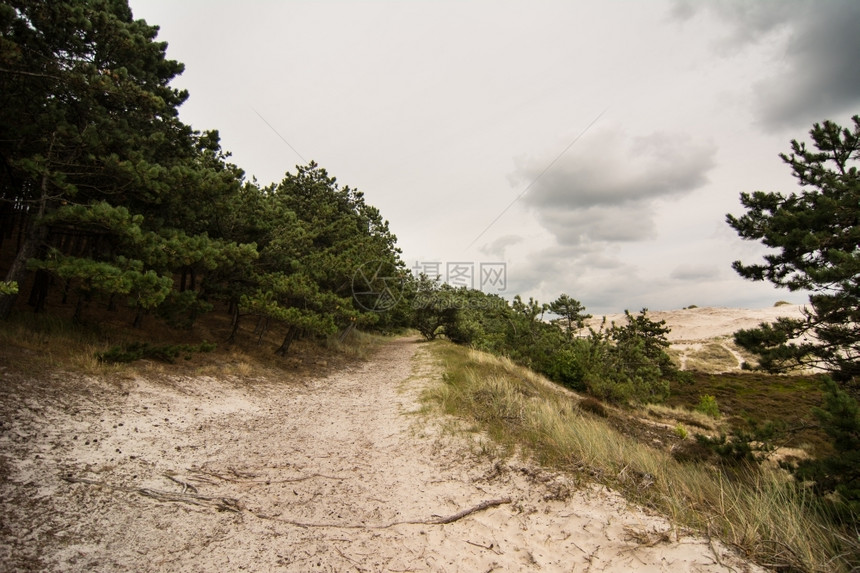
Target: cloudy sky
[[594, 147]]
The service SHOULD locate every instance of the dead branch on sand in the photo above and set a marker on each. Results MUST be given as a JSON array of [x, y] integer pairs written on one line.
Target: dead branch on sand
[[219, 503], [246, 477], [435, 520], [231, 504]]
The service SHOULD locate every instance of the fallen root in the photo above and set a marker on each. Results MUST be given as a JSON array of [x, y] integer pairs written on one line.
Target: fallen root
[[436, 520], [248, 478], [231, 504], [219, 503], [480, 507]]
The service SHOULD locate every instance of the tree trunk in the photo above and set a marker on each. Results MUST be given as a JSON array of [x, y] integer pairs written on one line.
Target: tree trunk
[[36, 235], [288, 340], [79, 309], [234, 308], [23, 226], [262, 327], [39, 291], [138, 318], [18, 271], [346, 331]]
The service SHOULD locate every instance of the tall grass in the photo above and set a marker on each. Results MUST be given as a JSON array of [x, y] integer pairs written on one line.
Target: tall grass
[[761, 512], [52, 340], [356, 344]]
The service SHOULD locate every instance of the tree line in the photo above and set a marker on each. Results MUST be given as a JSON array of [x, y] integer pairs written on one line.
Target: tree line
[[106, 195], [617, 362]]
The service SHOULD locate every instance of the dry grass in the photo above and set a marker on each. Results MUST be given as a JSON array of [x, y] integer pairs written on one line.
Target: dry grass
[[710, 356], [673, 415], [43, 341], [713, 356], [357, 344], [762, 512]]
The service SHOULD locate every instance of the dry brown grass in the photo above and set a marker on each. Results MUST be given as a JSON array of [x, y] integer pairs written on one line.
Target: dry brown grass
[[673, 415], [713, 356], [42, 341]]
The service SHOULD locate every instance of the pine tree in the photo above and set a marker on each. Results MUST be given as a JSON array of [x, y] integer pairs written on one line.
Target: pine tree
[[816, 238], [90, 123]]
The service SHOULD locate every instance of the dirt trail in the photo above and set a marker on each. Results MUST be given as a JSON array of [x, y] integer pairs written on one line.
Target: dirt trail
[[330, 474]]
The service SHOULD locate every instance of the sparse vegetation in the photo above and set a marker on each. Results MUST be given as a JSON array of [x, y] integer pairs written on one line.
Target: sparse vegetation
[[593, 406], [679, 415], [762, 511], [142, 350], [713, 356]]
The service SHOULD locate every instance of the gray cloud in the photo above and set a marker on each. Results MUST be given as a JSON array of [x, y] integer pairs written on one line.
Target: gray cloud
[[604, 191], [563, 267], [612, 169], [600, 223], [693, 272], [817, 73], [498, 247]]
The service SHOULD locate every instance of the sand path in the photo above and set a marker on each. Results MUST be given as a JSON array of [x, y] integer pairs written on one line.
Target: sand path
[[337, 473]]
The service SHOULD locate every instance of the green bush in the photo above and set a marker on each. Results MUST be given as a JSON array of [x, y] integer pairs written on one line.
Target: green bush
[[181, 309], [839, 473], [745, 447], [566, 366], [708, 406]]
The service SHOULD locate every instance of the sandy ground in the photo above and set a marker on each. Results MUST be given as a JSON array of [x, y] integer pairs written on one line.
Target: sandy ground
[[337, 473], [705, 323]]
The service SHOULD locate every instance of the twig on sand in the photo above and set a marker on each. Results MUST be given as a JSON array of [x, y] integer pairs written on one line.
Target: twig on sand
[[219, 503], [714, 550], [244, 477], [231, 504], [490, 547], [354, 564], [480, 507], [435, 520], [647, 539], [185, 486]]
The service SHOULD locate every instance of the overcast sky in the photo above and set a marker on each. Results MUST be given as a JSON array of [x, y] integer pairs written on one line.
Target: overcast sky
[[592, 146]]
